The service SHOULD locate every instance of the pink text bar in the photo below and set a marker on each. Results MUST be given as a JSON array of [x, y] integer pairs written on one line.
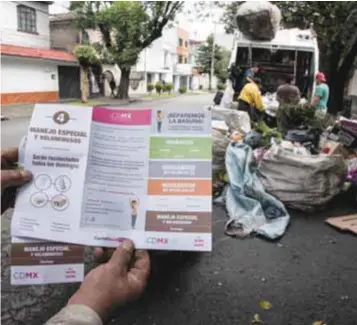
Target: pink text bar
[[122, 116]]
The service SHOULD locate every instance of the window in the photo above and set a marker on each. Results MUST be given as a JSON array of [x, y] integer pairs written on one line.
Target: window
[[186, 44], [180, 42], [180, 59], [26, 19], [185, 60]]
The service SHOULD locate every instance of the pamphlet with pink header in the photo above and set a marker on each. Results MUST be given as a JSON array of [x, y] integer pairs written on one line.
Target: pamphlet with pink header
[[105, 174]]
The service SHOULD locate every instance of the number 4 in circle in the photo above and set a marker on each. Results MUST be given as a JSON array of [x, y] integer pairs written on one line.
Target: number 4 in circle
[[61, 117]]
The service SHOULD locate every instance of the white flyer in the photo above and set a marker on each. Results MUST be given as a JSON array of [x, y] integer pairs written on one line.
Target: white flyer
[[36, 262], [102, 175]]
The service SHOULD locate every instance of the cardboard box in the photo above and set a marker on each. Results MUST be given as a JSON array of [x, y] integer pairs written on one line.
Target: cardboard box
[[344, 135], [334, 148], [350, 125], [346, 223]]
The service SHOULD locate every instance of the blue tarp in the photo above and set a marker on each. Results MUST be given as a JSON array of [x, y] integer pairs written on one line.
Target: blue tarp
[[250, 208]]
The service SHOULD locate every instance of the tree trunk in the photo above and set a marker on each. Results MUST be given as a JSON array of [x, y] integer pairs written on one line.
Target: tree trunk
[[338, 77], [337, 84], [98, 72], [84, 84], [123, 89], [210, 81]]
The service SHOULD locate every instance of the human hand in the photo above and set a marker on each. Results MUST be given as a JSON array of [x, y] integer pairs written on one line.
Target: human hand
[[10, 176], [122, 279]]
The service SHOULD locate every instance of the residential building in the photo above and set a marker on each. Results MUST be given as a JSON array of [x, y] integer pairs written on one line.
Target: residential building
[[65, 35], [183, 69], [31, 71], [199, 79], [165, 60]]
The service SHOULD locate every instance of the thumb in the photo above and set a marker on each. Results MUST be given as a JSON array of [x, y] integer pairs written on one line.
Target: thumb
[[120, 261], [14, 177]]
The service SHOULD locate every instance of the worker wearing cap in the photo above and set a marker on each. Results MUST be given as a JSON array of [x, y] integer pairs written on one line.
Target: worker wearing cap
[[322, 93]]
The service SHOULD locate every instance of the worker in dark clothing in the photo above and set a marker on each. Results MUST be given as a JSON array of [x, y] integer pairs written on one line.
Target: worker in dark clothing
[[112, 87], [250, 73], [288, 93]]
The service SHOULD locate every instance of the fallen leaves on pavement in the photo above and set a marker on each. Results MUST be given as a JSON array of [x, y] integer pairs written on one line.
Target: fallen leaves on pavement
[[266, 305], [256, 319]]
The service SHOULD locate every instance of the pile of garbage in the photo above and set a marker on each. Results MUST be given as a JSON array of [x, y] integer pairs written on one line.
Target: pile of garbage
[[271, 103], [260, 171]]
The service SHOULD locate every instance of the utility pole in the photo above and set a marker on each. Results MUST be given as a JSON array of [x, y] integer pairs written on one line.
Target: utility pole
[[145, 71], [212, 57]]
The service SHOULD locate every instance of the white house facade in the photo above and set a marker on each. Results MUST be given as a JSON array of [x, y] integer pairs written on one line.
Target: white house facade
[[30, 71], [167, 59]]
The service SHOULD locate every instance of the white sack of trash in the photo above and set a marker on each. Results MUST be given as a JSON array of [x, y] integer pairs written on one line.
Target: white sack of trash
[[258, 20], [303, 182]]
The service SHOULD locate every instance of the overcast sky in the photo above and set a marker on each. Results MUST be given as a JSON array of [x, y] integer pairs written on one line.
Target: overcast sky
[[198, 30]]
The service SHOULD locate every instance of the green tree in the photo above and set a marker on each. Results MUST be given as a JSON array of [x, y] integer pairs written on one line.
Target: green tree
[[126, 27], [335, 24], [221, 59], [86, 56], [222, 66]]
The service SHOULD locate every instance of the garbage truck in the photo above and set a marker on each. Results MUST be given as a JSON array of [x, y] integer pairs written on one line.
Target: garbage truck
[[291, 52]]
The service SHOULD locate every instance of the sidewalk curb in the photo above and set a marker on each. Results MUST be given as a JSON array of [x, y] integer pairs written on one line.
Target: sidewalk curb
[[129, 101], [7, 118]]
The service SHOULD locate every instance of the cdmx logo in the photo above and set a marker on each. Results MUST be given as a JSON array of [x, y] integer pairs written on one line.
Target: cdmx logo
[[157, 240], [26, 275]]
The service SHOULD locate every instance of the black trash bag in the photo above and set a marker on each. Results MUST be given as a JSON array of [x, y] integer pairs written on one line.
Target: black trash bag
[[308, 137], [218, 97]]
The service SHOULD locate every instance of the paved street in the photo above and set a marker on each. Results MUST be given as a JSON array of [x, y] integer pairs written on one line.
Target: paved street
[[13, 130], [309, 275]]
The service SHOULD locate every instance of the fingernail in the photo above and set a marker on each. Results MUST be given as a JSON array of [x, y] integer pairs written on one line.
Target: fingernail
[[26, 174], [128, 245]]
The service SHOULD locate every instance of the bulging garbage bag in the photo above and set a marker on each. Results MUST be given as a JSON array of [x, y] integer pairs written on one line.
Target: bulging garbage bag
[[235, 121], [303, 182], [220, 142], [258, 20]]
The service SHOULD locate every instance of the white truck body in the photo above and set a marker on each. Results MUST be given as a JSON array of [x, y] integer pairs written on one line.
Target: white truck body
[[294, 41]]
